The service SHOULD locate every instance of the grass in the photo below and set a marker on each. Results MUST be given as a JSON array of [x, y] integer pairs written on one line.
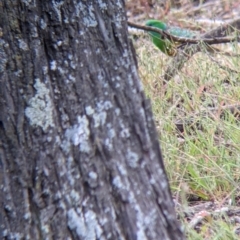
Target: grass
[[202, 162]]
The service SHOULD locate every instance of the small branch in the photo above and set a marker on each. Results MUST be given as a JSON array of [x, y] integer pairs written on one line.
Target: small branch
[[188, 51], [208, 41], [224, 29], [189, 47]]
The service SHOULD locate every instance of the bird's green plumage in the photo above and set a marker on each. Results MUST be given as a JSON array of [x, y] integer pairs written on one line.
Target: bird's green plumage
[[170, 47], [165, 45]]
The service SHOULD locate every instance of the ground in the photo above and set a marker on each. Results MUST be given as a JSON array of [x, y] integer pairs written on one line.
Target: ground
[[197, 115]]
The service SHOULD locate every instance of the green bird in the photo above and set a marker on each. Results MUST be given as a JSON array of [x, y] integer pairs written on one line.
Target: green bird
[[165, 45]]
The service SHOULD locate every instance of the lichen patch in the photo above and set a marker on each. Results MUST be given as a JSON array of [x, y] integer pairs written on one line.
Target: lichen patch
[[40, 109]]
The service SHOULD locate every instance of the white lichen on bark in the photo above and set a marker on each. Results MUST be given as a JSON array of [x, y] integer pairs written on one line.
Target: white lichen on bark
[[40, 109], [78, 135], [85, 225]]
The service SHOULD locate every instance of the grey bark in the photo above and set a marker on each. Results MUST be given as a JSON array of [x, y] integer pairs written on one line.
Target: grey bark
[[79, 153]]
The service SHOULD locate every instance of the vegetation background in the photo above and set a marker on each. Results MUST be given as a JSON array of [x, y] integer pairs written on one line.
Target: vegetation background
[[197, 114]]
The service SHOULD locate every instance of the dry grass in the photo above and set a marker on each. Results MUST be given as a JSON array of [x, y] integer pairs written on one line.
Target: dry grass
[[202, 161]]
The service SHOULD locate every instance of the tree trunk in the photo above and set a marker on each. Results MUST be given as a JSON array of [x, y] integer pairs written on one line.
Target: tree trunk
[[79, 154]]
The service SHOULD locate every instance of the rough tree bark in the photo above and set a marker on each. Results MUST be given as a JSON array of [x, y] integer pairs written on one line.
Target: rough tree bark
[[79, 155]]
